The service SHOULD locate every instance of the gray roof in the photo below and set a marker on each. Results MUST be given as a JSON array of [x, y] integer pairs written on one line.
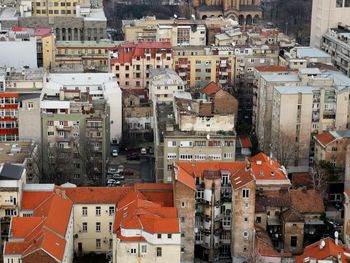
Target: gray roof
[[280, 78], [11, 172], [311, 52], [294, 89]]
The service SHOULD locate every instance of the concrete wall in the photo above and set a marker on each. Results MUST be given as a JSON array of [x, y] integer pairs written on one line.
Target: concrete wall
[[29, 120]]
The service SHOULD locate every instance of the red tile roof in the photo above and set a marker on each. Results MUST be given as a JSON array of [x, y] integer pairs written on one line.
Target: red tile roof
[[97, 195], [271, 68], [307, 201], [134, 212], [31, 200], [329, 250], [45, 230], [267, 169], [156, 192], [324, 138], [245, 142], [211, 88]]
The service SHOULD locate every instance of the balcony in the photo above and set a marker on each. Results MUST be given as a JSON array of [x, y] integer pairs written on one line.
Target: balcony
[[183, 65], [223, 73], [63, 128], [223, 81]]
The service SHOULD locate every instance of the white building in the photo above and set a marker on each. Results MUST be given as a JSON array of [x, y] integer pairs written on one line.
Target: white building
[[163, 84], [327, 14], [99, 85]]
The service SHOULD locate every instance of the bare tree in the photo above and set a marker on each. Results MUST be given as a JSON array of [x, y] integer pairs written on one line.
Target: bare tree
[[319, 178], [283, 146]]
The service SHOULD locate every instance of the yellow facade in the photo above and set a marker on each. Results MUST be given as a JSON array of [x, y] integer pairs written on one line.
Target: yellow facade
[[54, 8]]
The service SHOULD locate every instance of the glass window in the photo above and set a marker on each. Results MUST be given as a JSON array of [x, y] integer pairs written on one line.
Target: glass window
[[159, 251]]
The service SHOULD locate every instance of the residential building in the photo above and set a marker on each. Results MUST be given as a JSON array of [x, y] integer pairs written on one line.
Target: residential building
[[220, 232], [346, 226], [197, 66], [44, 236], [336, 43], [81, 116], [93, 56], [325, 250], [246, 12], [163, 84], [137, 115], [193, 129], [45, 44], [153, 236], [327, 14], [177, 32], [331, 147], [133, 62], [20, 92]]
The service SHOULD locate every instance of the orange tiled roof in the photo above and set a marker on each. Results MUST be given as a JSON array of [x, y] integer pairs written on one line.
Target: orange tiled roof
[[31, 200], [134, 212], [156, 192], [330, 249], [265, 169], [45, 230], [211, 88], [307, 201], [97, 195], [324, 138]]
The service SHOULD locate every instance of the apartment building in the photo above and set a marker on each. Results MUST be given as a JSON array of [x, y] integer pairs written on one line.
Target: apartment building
[[336, 43], [92, 56], [163, 84], [137, 115], [133, 62], [197, 66], [81, 116], [331, 146], [190, 129], [177, 32], [148, 237], [327, 14]]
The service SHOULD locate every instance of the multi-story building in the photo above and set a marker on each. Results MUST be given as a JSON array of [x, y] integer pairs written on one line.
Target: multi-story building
[[246, 12], [134, 61], [336, 42], [137, 115], [331, 147], [177, 32], [146, 231], [216, 203], [81, 116], [194, 130], [327, 14], [197, 66], [93, 56], [163, 84]]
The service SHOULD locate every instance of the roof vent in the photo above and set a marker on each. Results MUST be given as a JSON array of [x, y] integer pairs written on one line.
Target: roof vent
[[272, 174], [259, 162]]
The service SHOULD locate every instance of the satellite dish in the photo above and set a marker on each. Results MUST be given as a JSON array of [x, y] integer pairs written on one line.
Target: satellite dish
[[336, 234], [208, 136], [322, 244]]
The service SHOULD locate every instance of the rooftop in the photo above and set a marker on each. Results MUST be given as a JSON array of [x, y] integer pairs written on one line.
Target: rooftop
[[15, 153], [165, 77], [310, 52], [11, 172], [280, 78], [329, 136], [294, 89]]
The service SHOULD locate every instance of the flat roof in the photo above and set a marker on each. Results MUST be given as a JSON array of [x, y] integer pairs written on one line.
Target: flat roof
[[20, 151], [280, 78], [304, 52], [294, 89], [307, 71]]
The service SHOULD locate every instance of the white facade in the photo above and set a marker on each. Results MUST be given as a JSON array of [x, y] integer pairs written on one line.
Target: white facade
[[327, 14]]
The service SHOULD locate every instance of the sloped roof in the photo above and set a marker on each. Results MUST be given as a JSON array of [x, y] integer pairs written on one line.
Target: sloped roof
[[245, 142], [330, 249], [292, 215], [11, 172], [324, 138], [271, 68], [45, 230], [134, 212], [31, 200], [211, 88], [307, 201]]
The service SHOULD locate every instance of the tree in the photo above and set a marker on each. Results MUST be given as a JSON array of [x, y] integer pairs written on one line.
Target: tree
[[319, 178], [283, 147]]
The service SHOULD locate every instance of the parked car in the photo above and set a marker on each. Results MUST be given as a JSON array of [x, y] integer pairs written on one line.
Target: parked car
[[118, 177], [143, 151], [114, 152], [111, 170], [113, 182]]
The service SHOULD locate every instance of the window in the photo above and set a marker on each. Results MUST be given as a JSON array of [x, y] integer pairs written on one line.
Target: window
[[245, 234], [84, 211], [84, 227], [258, 219], [182, 219], [171, 156], [159, 236], [293, 241], [169, 235], [98, 227], [76, 165], [30, 105], [98, 243], [225, 180], [159, 251], [98, 210], [111, 210], [245, 193], [144, 249], [182, 250], [228, 155], [50, 133], [172, 144], [110, 226], [133, 251]]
